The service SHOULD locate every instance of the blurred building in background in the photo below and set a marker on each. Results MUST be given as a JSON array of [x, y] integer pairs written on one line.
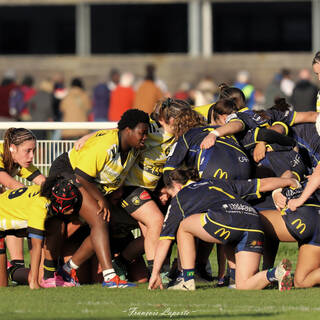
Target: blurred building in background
[[185, 39]]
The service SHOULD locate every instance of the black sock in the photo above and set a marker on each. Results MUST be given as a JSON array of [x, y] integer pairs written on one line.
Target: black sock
[[18, 263], [150, 266], [49, 268]]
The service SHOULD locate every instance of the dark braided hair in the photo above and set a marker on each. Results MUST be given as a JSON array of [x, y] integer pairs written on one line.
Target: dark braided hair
[[14, 136], [131, 118]]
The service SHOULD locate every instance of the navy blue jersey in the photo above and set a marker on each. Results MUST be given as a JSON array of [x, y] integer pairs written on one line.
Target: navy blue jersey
[[308, 141], [225, 197], [252, 121], [226, 159]]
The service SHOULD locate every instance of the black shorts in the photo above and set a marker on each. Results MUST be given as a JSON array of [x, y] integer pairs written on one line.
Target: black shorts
[[303, 224], [135, 197], [61, 164], [247, 236]]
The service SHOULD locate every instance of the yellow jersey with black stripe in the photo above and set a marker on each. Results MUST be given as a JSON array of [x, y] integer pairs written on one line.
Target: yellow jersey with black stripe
[[148, 168], [24, 208], [28, 173], [99, 160]]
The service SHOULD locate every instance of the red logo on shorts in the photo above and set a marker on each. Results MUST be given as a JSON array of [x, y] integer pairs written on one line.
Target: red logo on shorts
[[144, 195], [2, 245]]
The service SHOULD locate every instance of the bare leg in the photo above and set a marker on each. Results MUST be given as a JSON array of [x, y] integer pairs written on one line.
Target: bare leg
[[3, 264], [15, 247], [152, 218], [307, 272]]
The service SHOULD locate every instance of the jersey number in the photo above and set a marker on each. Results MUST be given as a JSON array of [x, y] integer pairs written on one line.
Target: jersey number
[[17, 193]]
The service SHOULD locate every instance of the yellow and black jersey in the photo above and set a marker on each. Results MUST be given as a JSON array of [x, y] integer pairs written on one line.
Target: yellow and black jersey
[[225, 197], [148, 168], [318, 102], [226, 159], [99, 160], [23, 208], [28, 173], [203, 110]]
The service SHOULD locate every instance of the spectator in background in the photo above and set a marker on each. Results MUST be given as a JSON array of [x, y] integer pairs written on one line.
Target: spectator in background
[[304, 95], [40, 107], [114, 79], [28, 92], [148, 92], [102, 94], [286, 84], [122, 97], [248, 89], [205, 92], [75, 107], [184, 93], [273, 91], [59, 92], [7, 85]]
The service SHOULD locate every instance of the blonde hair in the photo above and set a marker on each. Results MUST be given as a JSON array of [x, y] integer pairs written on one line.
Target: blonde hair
[[14, 136]]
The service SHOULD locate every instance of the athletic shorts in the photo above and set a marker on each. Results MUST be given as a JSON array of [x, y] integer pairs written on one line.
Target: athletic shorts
[[61, 164], [135, 197], [247, 236], [303, 224]]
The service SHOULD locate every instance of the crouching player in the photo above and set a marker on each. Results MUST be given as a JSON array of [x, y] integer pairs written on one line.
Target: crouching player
[[213, 211], [23, 212]]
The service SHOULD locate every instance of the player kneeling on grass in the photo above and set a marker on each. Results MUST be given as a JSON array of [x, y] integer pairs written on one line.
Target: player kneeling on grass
[[213, 210], [67, 194], [298, 224]]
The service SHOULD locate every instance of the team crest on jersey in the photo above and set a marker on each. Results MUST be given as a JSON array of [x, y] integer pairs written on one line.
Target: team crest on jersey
[[135, 200], [144, 195]]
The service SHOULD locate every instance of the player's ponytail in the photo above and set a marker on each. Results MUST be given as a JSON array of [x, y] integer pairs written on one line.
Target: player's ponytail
[[226, 92]]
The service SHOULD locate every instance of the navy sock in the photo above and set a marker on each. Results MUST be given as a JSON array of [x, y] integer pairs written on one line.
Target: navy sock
[[150, 266], [188, 274], [271, 275], [232, 273]]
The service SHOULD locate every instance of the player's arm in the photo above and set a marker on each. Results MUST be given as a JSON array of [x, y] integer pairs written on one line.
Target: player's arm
[[312, 185], [230, 128], [80, 142], [39, 179], [160, 255], [35, 263], [9, 182], [307, 116]]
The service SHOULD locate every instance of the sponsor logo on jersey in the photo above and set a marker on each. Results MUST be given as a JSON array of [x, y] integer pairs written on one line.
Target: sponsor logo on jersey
[[220, 174]]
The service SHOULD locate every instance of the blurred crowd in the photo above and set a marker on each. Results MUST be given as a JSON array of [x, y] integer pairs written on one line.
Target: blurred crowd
[[53, 99]]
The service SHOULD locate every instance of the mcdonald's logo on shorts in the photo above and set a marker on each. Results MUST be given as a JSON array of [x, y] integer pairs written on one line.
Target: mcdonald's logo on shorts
[[299, 225], [223, 233]]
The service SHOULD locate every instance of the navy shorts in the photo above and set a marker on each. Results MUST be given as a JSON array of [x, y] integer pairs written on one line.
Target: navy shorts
[[303, 224], [246, 236]]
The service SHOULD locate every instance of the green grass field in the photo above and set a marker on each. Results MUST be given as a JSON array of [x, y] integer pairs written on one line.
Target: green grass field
[[95, 302]]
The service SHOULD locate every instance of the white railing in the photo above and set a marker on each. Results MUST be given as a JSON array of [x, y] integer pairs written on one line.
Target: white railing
[[48, 150]]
